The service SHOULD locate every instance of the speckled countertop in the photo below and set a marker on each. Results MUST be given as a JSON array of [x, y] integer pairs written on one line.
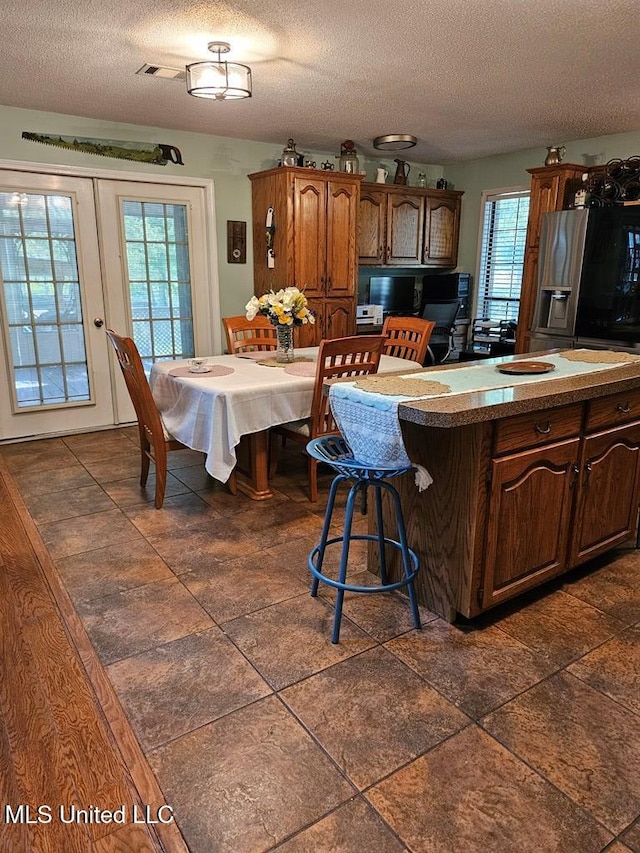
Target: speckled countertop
[[497, 403]]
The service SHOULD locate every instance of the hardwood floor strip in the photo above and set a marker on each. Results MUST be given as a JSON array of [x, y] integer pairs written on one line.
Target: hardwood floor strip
[[63, 720], [10, 793], [83, 753], [31, 732]]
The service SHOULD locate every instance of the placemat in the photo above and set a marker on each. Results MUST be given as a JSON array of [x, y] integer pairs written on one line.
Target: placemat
[[397, 385], [271, 362], [255, 355], [303, 368], [216, 370], [598, 356]]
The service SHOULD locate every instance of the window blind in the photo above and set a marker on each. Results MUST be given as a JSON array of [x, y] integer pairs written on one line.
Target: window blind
[[504, 234]]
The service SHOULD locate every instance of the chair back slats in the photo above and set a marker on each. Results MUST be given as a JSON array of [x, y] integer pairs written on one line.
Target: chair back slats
[[146, 410], [244, 335], [344, 357], [407, 337]]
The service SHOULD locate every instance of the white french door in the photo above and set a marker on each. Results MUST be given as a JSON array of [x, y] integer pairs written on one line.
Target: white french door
[[79, 254], [156, 282], [55, 368]]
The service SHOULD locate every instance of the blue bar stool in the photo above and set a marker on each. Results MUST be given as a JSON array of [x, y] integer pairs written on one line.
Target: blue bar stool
[[334, 451]]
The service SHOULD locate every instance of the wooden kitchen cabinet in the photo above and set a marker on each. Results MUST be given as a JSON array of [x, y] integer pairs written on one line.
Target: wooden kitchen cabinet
[[408, 226], [333, 316], [549, 186], [441, 231], [372, 225], [518, 500], [588, 487], [607, 497], [405, 224], [524, 546], [314, 243]]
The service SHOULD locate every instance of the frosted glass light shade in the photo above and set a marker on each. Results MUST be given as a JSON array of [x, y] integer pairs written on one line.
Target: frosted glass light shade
[[218, 79]]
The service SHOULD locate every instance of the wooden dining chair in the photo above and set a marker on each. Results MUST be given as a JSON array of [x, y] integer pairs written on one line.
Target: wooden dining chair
[[155, 441], [407, 337], [244, 335], [353, 356]]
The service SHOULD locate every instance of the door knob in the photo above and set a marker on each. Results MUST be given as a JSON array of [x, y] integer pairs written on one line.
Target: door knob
[[98, 322]]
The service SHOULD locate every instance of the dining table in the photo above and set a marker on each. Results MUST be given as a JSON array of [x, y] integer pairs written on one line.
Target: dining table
[[227, 411]]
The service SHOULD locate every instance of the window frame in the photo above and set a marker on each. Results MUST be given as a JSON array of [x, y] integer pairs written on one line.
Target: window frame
[[488, 196]]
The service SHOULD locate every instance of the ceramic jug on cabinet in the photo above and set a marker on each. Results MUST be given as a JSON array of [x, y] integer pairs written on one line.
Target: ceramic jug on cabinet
[[381, 176], [402, 172]]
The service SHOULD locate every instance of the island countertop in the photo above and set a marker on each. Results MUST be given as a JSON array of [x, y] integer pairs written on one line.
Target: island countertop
[[478, 406], [529, 480]]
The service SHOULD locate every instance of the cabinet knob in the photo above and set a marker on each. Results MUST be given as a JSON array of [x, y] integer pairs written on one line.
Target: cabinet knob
[[587, 472], [625, 409], [544, 430]]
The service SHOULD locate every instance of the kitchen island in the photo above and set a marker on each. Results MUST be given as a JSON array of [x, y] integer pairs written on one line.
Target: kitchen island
[[530, 481]]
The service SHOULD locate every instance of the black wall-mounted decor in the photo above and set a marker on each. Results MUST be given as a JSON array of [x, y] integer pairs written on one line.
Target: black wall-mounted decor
[[236, 242]]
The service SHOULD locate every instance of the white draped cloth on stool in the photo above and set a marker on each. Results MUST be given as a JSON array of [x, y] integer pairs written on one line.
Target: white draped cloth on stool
[[370, 425]]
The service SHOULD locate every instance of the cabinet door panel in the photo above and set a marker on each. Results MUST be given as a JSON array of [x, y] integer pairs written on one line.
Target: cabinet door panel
[[525, 546], [544, 196], [310, 237], [372, 227], [405, 216], [342, 213], [340, 319], [441, 232], [607, 508], [310, 335]]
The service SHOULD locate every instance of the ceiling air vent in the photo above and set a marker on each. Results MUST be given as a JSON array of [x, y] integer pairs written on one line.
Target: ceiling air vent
[[162, 71]]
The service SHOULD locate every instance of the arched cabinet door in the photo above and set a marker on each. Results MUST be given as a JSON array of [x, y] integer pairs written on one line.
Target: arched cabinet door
[[310, 235], [372, 220], [609, 470], [441, 228], [405, 217], [525, 547], [341, 218]]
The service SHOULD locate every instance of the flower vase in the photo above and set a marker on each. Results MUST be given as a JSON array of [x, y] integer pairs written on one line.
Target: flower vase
[[284, 351]]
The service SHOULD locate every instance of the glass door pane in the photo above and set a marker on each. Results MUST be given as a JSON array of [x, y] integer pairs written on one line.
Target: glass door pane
[[42, 302], [159, 279], [159, 276], [54, 368]]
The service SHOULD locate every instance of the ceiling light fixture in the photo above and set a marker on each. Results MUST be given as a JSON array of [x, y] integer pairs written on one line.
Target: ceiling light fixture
[[218, 79], [394, 142]]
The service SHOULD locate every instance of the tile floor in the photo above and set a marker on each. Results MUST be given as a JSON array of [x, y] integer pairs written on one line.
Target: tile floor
[[519, 733]]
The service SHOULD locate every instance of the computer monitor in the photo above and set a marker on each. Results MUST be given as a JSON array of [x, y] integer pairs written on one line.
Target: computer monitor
[[396, 294]]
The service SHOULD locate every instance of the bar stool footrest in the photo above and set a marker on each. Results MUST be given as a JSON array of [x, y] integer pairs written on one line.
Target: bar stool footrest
[[388, 587]]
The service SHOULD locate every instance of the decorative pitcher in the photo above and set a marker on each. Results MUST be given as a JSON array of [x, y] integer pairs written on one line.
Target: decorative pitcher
[[402, 172], [381, 176], [555, 153]]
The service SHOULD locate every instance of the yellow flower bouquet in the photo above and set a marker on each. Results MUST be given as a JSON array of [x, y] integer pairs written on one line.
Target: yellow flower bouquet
[[286, 307]]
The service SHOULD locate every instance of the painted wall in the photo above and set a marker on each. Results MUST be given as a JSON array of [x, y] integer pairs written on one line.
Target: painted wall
[[510, 170], [226, 161]]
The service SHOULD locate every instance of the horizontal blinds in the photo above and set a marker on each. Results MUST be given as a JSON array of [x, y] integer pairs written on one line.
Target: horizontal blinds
[[504, 234]]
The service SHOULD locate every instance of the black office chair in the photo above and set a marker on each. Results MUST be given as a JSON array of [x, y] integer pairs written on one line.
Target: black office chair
[[444, 314]]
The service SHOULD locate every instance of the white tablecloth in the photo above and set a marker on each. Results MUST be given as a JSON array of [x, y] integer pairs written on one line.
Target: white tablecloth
[[211, 413]]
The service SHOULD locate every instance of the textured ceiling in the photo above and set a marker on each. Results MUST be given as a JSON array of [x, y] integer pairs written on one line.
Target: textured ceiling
[[469, 78]]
